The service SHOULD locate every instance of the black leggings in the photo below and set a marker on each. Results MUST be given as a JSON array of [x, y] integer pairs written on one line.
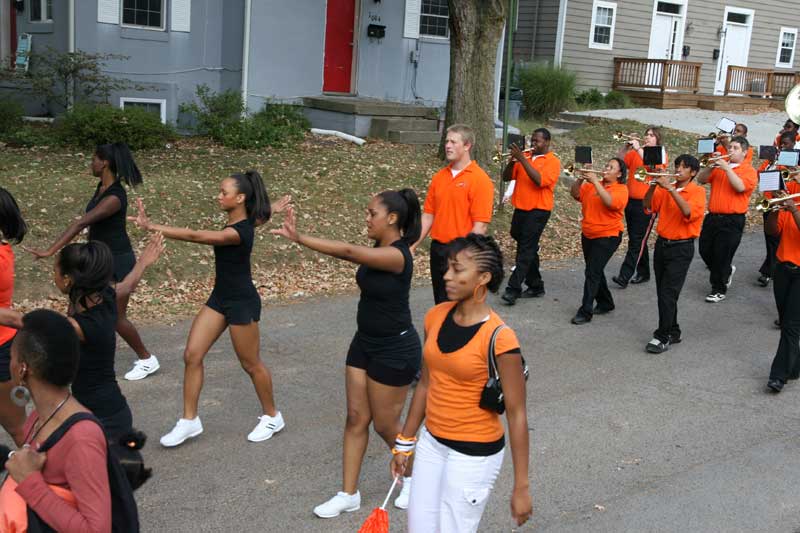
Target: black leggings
[[597, 253]]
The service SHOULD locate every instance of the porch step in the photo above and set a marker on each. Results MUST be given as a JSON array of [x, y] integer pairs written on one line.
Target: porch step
[[369, 106], [414, 137], [566, 124], [381, 126]]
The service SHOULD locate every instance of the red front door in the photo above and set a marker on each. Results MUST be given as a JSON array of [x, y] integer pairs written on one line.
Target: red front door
[[339, 40]]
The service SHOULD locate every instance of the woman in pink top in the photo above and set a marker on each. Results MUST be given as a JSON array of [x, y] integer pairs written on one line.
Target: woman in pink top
[[67, 487]]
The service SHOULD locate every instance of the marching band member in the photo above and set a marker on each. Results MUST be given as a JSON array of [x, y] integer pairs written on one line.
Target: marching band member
[[680, 206], [603, 196], [535, 177], [732, 183], [788, 126]]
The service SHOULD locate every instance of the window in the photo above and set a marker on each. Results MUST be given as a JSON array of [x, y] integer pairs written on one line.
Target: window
[[601, 34], [786, 43], [41, 11], [156, 106], [143, 13], [669, 7], [738, 18], [433, 18]]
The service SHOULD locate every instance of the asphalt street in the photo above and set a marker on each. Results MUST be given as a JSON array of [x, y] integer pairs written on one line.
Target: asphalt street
[[622, 440]]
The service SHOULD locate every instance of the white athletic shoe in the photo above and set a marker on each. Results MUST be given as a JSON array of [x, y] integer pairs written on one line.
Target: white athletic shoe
[[401, 502], [183, 430], [342, 502], [143, 368], [267, 426], [715, 297], [730, 278]]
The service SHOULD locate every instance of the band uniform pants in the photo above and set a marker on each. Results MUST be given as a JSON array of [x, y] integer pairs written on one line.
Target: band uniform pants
[[596, 254], [786, 286], [636, 221], [719, 239], [772, 241], [671, 260], [526, 229], [438, 270]]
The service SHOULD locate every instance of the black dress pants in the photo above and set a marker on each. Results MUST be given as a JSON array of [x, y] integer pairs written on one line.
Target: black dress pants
[[438, 270], [526, 229], [671, 260], [636, 221], [719, 239], [596, 254], [786, 286], [772, 241]]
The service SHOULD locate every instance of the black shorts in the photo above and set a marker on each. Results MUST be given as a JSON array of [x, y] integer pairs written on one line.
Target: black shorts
[[394, 361], [237, 312], [123, 264], [5, 360]]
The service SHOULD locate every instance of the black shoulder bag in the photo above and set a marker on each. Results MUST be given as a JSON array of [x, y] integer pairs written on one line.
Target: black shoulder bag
[[492, 395]]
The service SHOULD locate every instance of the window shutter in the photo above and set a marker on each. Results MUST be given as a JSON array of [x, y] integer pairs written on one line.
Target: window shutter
[[108, 11], [411, 29], [181, 15]]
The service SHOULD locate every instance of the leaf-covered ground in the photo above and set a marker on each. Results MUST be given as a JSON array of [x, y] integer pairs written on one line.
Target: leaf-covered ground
[[330, 182]]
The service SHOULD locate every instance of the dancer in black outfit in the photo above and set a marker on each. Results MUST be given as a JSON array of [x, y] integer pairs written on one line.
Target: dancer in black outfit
[[233, 303], [105, 217], [386, 353]]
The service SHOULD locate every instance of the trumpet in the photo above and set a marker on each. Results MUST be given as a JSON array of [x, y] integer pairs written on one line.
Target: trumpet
[[774, 204], [715, 135], [706, 160], [792, 174], [619, 136], [499, 156], [642, 174], [570, 171]]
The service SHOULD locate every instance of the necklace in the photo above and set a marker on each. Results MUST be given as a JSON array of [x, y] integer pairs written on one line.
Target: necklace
[[49, 418]]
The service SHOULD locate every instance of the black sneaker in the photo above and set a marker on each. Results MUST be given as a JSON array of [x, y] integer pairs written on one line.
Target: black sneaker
[[764, 280], [675, 339], [656, 346], [532, 293], [603, 310], [775, 385], [509, 298], [637, 279], [619, 281], [580, 319]]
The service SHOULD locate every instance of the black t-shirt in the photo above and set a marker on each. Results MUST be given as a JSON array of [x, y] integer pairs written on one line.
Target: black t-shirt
[[383, 310], [111, 230], [96, 386], [233, 277]]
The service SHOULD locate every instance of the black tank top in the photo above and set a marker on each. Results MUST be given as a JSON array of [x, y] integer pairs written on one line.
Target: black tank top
[[233, 277], [111, 230], [383, 310]]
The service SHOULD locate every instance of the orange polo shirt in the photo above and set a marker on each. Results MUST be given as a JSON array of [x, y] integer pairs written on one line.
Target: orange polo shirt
[[456, 203], [6, 287], [457, 379], [789, 247], [527, 195], [778, 139], [599, 220], [724, 199], [637, 189], [672, 224]]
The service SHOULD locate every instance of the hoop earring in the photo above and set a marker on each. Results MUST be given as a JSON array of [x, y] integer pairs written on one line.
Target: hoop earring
[[20, 395]]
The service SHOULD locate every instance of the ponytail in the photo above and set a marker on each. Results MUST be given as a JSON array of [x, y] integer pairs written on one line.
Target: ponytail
[[12, 225], [256, 198], [406, 204], [120, 162], [90, 266]]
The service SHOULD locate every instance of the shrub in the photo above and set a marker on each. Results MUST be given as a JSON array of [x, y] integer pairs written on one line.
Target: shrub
[[32, 135], [214, 113], [592, 99], [10, 116], [618, 100], [89, 125], [546, 90]]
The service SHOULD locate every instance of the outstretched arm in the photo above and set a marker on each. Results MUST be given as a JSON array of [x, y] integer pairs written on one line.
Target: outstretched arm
[[225, 237], [10, 318], [148, 257]]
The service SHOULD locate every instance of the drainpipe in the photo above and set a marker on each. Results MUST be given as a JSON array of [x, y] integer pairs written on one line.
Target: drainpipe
[[248, 4], [563, 5], [71, 43]]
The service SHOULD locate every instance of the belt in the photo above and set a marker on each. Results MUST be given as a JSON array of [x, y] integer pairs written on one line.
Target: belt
[[725, 214], [790, 266], [670, 242]]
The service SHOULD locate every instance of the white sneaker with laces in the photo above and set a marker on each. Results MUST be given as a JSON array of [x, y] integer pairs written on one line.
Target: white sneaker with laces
[[267, 426], [183, 430], [143, 368], [342, 502], [730, 278], [401, 502], [715, 297]]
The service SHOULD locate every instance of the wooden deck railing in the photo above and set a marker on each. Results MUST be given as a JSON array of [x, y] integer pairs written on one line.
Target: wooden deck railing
[[759, 82], [656, 74]]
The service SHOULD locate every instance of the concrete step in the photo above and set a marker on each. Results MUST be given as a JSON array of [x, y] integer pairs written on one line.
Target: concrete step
[[566, 115], [414, 137], [566, 124], [381, 126], [369, 106]]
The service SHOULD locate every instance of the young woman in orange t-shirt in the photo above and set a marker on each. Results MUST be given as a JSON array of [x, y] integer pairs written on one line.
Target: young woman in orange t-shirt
[[460, 449]]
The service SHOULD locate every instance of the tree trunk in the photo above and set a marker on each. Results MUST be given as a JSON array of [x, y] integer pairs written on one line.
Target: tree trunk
[[475, 30]]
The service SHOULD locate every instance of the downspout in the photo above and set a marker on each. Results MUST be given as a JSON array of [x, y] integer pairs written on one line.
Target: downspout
[[248, 4], [535, 30], [562, 22], [71, 44]]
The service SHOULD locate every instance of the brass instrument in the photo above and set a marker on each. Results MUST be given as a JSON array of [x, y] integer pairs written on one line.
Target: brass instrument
[[774, 204], [706, 160], [500, 156], [716, 136], [570, 171], [642, 174], [792, 103], [792, 174], [619, 136]]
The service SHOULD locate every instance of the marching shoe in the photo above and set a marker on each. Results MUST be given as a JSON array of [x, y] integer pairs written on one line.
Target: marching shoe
[[340, 503]]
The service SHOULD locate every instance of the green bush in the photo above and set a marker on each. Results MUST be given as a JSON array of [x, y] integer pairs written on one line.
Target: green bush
[[592, 99], [215, 113], [10, 116], [617, 100], [546, 90], [89, 125], [32, 135]]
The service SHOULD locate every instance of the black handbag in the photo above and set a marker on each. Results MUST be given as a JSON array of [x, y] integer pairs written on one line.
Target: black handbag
[[492, 395]]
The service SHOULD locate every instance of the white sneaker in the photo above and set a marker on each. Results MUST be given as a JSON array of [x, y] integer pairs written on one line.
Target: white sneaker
[[143, 368], [730, 278], [715, 297], [401, 502], [184, 429], [341, 502], [267, 426]]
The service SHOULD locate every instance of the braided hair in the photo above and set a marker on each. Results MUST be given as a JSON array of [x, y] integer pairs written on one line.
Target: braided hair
[[485, 252]]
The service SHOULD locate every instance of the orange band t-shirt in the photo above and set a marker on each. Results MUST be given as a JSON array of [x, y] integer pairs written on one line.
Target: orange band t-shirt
[[672, 224], [527, 195], [724, 199], [789, 247], [6, 287], [456, 203], [599, 220], [456, 380], [637, 189]]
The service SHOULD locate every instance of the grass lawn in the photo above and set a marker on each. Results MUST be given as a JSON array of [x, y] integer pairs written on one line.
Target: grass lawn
[[330, 182]]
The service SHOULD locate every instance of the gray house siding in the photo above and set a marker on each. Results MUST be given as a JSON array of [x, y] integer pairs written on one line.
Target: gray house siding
[[535, 39]]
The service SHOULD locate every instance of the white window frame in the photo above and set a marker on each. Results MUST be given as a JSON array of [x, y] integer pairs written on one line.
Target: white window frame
[[150, 28], [43, 5], [790, 64], [428, 35], [161, 101], [607, 5]]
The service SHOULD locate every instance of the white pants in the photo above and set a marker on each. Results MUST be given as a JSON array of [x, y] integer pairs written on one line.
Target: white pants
[[450, 489]]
